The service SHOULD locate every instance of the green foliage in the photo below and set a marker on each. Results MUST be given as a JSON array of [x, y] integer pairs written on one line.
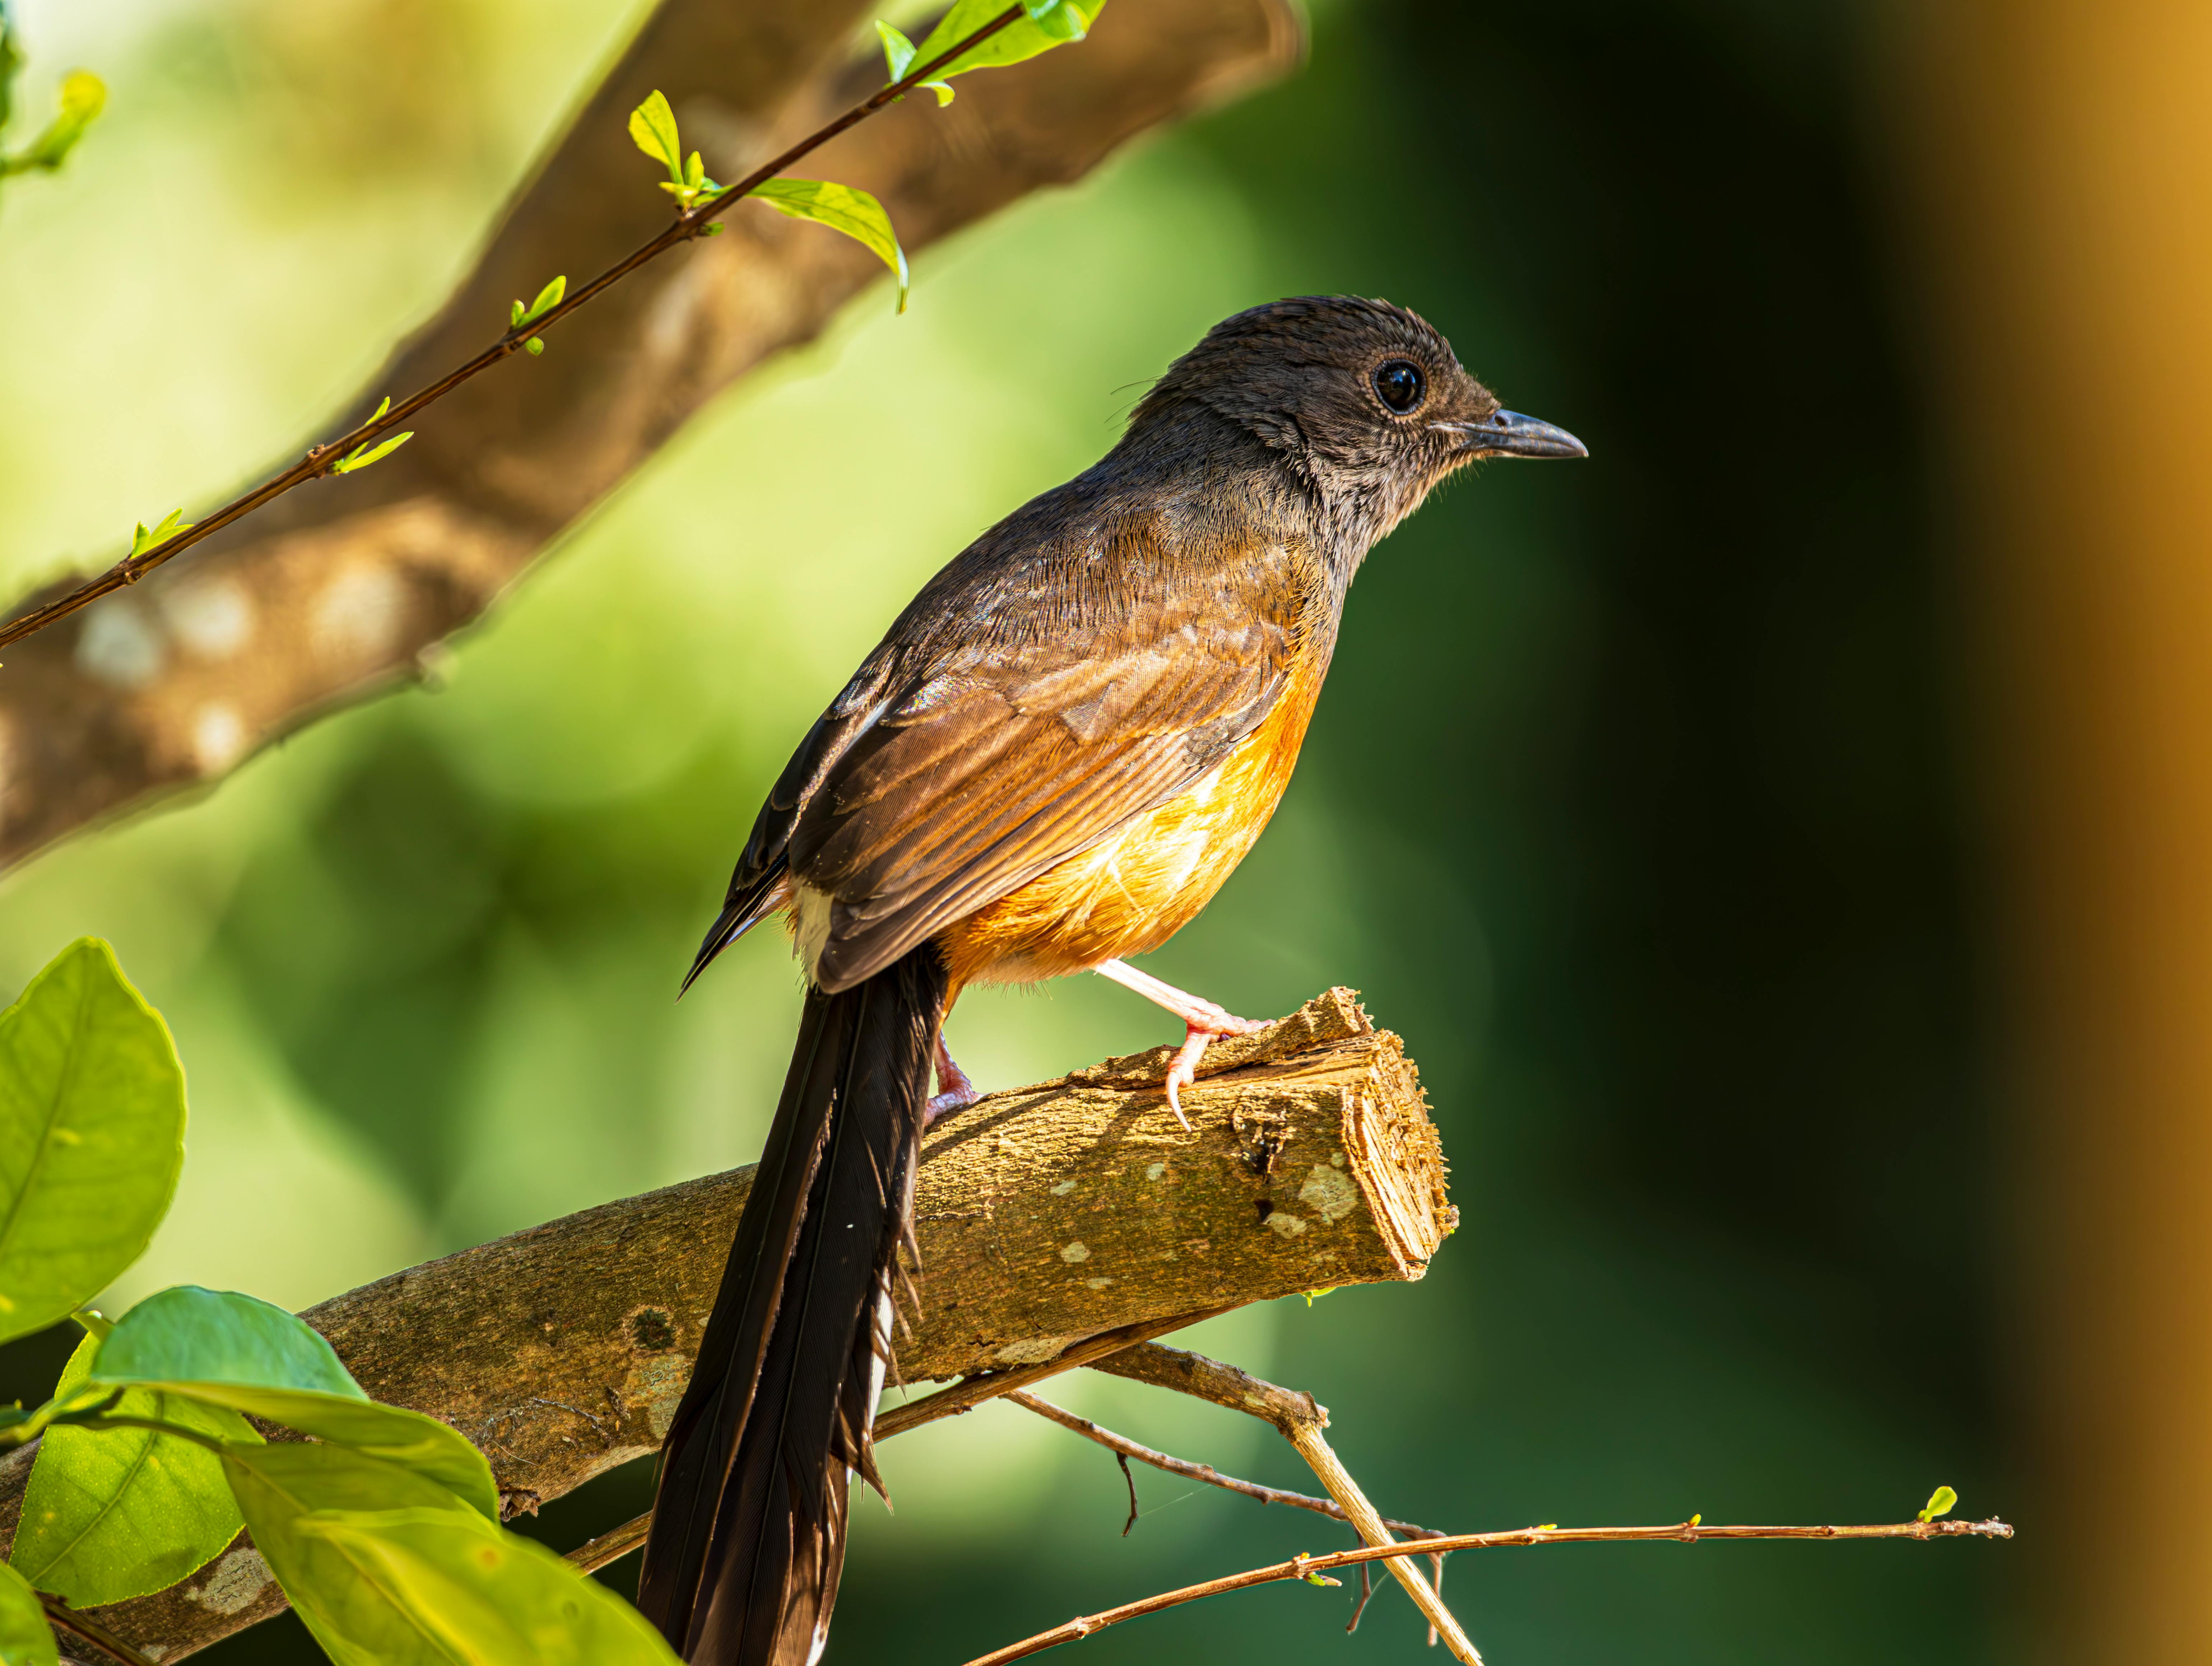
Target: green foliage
[[1939, 1504], [147, 538], [388, 1569], [898, 57], [481, 1594], [92, 1127], [841, 208], [362, 456], [113, 1514], [1046, 24], [25, 1640], [653, 128], [81, 97], [548, 299], [227, 1351]]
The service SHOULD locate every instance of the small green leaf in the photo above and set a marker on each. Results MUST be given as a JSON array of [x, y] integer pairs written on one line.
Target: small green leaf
[[653, 128], [361, 456], [147, 538], [111, 1514], [222, 1349], [514, 316], [92, 1129], [82, 97], [1695, 1519], [388, 1572], [1321, 1579], [1939, 1504], [548, 299], [25, 1639], [534, 346], [1313, 1296], [1549, 1527], [841, 208], [1046, 24], [898, 51]]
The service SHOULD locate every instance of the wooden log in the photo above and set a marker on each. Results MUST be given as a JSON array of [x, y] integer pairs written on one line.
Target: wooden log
[[1046, 1215]]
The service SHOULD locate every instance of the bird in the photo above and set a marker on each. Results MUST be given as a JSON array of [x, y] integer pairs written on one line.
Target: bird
[[1057, 754]]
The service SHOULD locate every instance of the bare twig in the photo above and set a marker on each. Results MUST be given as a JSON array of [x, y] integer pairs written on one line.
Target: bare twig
[[68, 1620], [1302, 1567], [1301, 1419], [1122, 1447], [1130, 1482], [613, 1544], [970, 1392], [686, 227]]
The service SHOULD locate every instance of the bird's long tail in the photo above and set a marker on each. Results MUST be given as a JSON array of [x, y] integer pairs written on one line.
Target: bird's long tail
[[748, 1523]]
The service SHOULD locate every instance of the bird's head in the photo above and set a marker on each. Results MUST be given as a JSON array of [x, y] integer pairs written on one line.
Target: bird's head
[[1363, 398]]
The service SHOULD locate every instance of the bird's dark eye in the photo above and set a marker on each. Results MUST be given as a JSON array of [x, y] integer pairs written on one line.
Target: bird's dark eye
[[1399, 384]]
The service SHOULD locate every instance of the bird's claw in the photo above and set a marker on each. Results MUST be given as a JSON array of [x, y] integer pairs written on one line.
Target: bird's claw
[[1182, 1069]]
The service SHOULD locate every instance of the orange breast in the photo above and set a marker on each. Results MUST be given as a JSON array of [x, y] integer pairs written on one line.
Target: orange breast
[[1132, 891]]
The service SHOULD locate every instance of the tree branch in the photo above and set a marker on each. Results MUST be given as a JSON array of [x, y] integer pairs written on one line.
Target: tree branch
[[1056, 1223], [316, 464], [1310, 1567], [1300, 1419], [329, 595], [1122, 1446]]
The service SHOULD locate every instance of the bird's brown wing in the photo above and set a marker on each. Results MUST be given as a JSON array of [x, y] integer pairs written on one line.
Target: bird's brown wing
[[1019, 712]]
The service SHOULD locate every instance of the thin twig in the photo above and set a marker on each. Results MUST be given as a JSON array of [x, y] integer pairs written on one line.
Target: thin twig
[[1300, 1567], [970, 1392], [1122, 1447], [1367, 1596], [1300, 1419], [687, 226], [60, 1614], [1122, 1458], [612, 1545]]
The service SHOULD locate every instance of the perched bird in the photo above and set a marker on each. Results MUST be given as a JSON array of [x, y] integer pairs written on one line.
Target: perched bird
[[1053, 759]]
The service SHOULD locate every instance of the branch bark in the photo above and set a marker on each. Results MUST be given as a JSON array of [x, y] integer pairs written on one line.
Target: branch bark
[[331, 594], [1047, 1217]]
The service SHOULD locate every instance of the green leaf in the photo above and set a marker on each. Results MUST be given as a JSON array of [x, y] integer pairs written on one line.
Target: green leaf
[[147, 538], [899, 58], [534, 346], [92, 1129], [653, 128], [1046, 24], [25, 1639], [111, 1514], [361, 456], [388, 1572], [841, 208], [478, 1593], [548, 299], [1939, 1504], [83, 95], [221, 1349]]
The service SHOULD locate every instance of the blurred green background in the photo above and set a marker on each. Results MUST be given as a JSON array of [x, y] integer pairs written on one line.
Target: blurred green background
[[1632, 804]]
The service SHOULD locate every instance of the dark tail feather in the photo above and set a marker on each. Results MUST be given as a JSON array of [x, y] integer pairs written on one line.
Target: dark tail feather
[[749, 1524]]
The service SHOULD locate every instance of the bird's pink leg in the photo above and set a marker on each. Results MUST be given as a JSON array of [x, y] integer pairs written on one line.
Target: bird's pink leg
[[955, 1089], [1202, 1021]]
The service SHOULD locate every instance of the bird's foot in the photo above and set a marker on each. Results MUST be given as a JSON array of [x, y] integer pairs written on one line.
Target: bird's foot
[[1203, 1022], [956, 1091]]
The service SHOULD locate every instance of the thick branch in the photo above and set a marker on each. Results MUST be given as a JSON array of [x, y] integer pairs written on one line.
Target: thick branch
[[332, 593], [1047, 1217]]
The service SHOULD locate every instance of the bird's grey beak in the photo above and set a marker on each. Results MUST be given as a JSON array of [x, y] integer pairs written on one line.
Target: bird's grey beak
[[1509, 434]]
